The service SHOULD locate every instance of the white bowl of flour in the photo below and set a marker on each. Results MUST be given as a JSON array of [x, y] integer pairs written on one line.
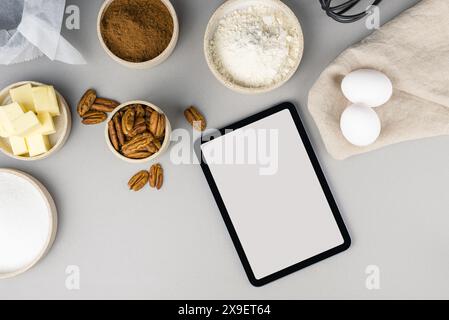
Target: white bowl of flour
[[28, 222], [253, 46]]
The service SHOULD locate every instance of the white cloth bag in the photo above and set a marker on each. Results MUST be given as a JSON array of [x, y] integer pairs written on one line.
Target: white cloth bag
[[32, 28], [413, 50]]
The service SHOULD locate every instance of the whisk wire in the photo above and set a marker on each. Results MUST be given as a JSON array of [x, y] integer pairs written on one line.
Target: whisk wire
[[338, 12]]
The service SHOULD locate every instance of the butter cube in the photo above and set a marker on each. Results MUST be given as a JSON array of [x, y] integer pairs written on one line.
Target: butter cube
[[18, 146], [23, 95], [37, 144], [45, 100], [8, 114], [12, 111], [25, 124], [3, 132], [47, 126]]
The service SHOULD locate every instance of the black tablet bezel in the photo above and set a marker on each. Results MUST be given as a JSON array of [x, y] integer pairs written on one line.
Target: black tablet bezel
[[319, 172]]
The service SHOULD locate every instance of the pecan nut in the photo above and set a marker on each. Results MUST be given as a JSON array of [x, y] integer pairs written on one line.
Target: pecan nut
[[157, 124], [148, 112], [156, 176], [140, 111], [195, 118], [141, 142], [128, 120], [158, 144], [86, 102], [118, 128], [107, 102], [138, 129], [139, 126], [113, 135], [138, 155], [152, 148], [105, 105], [94, 117], [138, 181]]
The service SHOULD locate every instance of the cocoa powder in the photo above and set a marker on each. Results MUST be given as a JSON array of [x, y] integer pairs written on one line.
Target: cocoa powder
[[137, 30]]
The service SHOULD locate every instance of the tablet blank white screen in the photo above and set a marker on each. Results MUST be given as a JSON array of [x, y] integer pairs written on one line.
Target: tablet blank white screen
[[283, 218]]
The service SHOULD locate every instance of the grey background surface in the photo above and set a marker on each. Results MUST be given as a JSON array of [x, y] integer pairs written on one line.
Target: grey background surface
[[173, 243]]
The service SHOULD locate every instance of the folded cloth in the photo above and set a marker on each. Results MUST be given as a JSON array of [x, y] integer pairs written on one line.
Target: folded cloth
[[32, 28], [413, 51]]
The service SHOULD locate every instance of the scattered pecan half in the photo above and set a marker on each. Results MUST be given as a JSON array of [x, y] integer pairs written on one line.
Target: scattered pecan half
[[156, 176], [105, 105], [86, 102], [138, 181], [94, 117], [195, 118]]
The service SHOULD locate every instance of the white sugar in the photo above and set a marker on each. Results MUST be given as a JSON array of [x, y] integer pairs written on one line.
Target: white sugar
[[24, 223]]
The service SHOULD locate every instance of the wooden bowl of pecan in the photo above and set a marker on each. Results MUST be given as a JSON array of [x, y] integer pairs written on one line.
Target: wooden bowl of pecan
[[138, 132]]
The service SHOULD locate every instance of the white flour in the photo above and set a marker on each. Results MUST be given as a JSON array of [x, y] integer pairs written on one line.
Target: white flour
[[24, 223], [255, 47]]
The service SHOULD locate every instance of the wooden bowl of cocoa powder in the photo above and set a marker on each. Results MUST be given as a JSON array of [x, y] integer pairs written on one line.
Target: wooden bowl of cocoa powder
[[139, 34]]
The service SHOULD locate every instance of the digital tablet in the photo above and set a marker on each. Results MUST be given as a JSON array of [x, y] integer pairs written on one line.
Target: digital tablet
[[272, 194]]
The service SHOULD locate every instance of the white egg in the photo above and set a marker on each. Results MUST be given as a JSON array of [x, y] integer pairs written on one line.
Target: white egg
[[360, 125], [367, 86]]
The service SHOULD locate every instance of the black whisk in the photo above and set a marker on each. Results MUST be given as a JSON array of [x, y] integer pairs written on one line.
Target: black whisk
[[339, 12]]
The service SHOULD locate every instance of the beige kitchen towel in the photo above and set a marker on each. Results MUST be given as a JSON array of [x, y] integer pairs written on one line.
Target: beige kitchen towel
[[413, 51]]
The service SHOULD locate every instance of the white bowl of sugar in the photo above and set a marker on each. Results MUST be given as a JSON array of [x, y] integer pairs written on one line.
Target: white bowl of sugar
[[28, 222], [253, 46]]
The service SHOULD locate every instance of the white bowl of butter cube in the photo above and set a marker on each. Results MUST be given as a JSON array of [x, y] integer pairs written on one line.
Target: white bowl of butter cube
[[35, 121]]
